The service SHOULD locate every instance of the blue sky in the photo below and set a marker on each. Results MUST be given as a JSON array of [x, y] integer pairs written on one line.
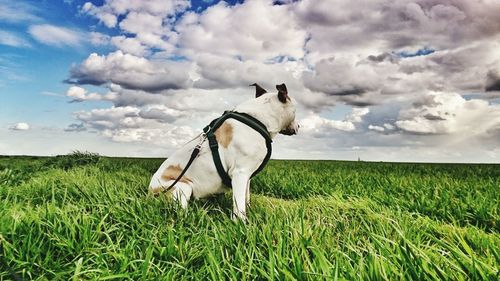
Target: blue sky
[[31, 71], [406, 81]]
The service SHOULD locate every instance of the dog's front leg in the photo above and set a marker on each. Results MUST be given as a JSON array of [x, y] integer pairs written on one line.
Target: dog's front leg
[[240, 183], [247, 194]]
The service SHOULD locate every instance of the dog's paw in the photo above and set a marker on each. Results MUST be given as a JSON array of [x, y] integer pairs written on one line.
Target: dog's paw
[[239, 217]]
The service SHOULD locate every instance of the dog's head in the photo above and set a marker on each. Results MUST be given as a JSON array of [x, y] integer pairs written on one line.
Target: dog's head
[[283, 106]]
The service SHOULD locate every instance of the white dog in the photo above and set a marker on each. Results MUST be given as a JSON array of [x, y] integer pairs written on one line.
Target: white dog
[[242, 150]]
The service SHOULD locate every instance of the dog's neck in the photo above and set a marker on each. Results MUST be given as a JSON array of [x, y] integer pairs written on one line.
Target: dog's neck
[[265, 111]]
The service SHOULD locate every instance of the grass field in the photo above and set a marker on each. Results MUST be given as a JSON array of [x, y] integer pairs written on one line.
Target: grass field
[[88, 217]]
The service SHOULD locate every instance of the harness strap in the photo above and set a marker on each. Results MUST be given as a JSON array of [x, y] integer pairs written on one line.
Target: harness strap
[[193, 156], [209, 132], [214, 146]]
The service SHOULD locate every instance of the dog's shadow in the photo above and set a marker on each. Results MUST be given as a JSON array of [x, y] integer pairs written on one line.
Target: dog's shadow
[[214, 206], [220, 204]]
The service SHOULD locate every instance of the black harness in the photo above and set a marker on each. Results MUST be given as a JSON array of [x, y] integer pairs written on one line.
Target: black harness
[[209, 133]]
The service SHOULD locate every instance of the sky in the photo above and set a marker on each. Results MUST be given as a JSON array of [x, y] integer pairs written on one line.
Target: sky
[[376, 80]]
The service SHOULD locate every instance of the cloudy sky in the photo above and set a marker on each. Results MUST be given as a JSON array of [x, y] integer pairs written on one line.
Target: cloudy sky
[[408, 80]]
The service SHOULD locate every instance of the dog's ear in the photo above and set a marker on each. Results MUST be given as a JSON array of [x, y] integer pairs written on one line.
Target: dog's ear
[[282, 92], [259, 91]]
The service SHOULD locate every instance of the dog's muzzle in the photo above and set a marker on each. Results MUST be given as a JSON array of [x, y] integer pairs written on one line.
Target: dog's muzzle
[[292, 130]]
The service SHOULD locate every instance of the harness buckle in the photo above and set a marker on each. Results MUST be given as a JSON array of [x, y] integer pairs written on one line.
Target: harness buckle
[[202, 140]]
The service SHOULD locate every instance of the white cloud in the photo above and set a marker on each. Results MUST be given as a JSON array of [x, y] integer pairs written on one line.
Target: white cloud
[[17, 11], [98, 39], [20, 127], [107, 18], [376, 128], [161, 113], [141, 22], [56, 35], [449, 113], [148, 21], [251, 30], [125, 124], [389, 126], [380, 25], [384, 78], [120, 7], [132, 72], [111, 118], [357, 114], [343, 76], [354, 50], [12, 39], [129, 45], [323, 127], [79, 94], [224, 72]]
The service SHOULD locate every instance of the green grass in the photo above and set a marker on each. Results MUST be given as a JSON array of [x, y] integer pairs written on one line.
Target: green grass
[[89, 217]]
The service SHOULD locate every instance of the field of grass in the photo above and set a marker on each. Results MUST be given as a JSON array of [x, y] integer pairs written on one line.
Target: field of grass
[[88, 217]]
